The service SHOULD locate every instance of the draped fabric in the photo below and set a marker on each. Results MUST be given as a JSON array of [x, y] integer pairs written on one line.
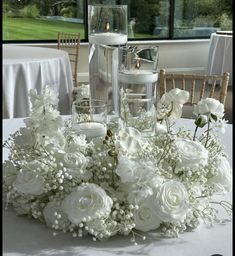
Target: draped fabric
[[26, 68], [220, 55]]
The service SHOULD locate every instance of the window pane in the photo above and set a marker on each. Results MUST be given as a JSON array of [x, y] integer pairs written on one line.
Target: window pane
[[200, 18], [41, 19]]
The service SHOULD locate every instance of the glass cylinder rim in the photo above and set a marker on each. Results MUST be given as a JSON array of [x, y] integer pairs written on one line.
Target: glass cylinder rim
[[94, 103], [109, 5]]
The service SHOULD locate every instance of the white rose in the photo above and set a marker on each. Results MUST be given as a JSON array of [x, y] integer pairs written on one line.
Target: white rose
[[132, 170], [223, 179], [49, 215], [145, 218], [29, 182], [171, 104], [88, 200], [9, 173], [131, 141], [75, 162], [171, 202], [191, 153], [209, 106]]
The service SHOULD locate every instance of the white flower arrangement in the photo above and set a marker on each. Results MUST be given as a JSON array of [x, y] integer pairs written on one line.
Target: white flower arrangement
[[123, 183]]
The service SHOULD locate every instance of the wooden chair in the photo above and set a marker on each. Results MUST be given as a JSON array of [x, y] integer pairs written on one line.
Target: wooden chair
[[70, 42], [199, 86]]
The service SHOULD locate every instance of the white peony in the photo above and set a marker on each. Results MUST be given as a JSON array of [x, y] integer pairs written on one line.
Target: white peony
[[29, 182], [209, 106], [146, 218], [171, 203], [49, 215], [134, 170], [191, 153], [222, 180], [171, 104], [87, 201]]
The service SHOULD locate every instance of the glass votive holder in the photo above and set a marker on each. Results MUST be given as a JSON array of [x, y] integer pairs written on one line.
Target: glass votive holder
[[137, 109], [89, 117], [107, 24]]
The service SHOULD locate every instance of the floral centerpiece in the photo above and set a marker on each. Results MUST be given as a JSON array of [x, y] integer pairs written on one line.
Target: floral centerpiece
[[121, 184]]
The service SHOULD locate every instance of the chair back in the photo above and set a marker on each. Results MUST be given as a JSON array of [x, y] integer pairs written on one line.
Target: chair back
[[70, 42], [199, 86]]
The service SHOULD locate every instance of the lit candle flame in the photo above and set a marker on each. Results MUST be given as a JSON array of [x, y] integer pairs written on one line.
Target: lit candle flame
[[137, 64], [107, 26]]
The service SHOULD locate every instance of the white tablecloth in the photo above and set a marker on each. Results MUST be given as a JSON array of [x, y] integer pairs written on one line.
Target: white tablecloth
[[220, 55], [26, 68], [22, 236]]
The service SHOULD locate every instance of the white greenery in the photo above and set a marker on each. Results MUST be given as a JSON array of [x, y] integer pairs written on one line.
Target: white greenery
[[123, 183]]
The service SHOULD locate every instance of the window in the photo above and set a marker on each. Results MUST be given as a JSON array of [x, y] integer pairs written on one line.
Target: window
[[40, 20]]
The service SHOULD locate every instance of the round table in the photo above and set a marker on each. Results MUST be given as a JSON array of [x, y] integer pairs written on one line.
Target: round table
[[26, 68], [220, 55]]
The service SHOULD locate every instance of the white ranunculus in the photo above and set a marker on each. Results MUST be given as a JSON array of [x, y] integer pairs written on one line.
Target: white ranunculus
[[49, 215], [29, 182], [9, 173], [171, 104], [223, 179], [145, 218], [191, 153], [171, 202], [131, 141], [87, 200], [134, 170], [209, 106]]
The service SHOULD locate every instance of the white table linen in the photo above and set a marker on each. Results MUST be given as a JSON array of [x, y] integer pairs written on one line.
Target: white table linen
[[26, 68], [23, 236], [220, 55]]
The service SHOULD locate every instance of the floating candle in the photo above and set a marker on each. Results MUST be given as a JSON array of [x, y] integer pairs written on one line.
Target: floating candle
[[108, 38], [137, 76], [91, 129]]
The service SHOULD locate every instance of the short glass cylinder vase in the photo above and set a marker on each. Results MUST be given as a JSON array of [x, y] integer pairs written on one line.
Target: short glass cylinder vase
[[107, 30], [137, 88], [89, 117]]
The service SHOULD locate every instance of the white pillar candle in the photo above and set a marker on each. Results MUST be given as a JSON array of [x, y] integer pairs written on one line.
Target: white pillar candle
[[108, 38], [91, 129], [137, 76]]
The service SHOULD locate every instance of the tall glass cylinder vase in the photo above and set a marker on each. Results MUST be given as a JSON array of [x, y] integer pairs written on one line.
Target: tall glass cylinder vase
[[107, 28], [137, 87]]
